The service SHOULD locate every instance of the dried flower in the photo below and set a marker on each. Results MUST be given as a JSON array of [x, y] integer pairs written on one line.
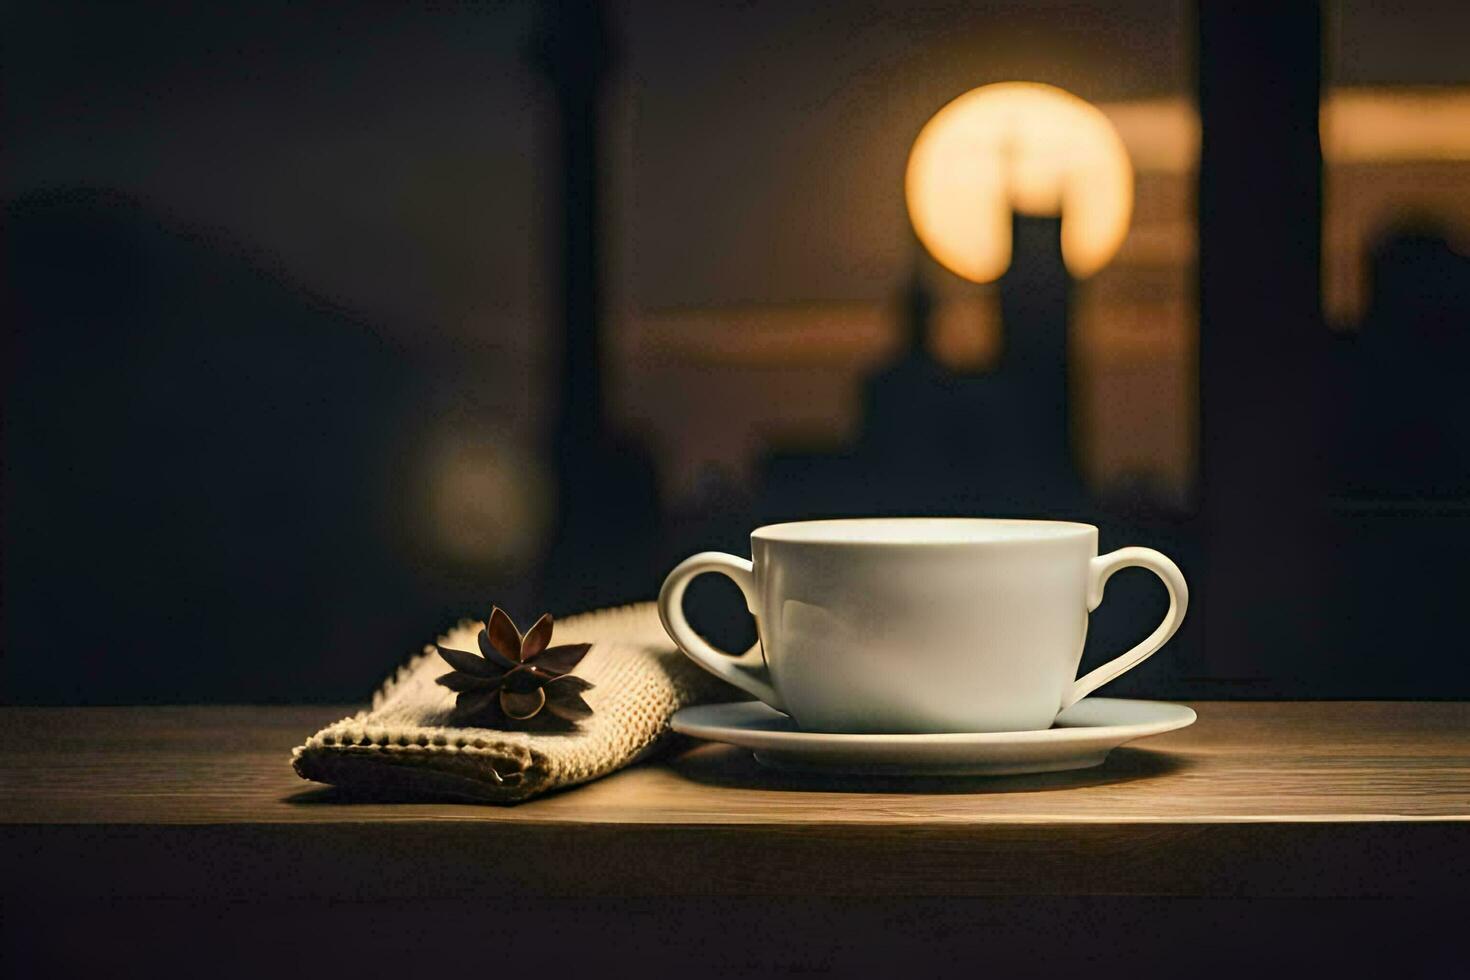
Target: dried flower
[[516, 677]]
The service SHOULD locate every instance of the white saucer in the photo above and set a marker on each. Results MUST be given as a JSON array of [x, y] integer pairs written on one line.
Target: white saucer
[[1082, 736]]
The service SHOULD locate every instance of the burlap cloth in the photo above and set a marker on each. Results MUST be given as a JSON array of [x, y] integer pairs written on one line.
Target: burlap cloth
[[402, 746]]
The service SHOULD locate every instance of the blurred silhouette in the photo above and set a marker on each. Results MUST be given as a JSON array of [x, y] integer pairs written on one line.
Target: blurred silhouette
[[1400, 453], [1262, 342], [911, 423], [1029, 468], [1399, 436], [936, 442], [606, 543]]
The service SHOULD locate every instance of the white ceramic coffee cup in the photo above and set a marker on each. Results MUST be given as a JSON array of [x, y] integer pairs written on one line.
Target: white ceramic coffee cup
[[919, 624]]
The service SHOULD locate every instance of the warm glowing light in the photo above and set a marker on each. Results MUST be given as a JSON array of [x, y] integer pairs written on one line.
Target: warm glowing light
[[487, 499], [1366, 125], [1025, 147], [1376, 125]]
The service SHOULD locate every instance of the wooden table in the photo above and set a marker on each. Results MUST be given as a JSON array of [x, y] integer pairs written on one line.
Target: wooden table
[[1284, 801]]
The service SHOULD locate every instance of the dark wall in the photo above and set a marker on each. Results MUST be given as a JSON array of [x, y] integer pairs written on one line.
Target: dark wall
[[257, 257], [199, 459]]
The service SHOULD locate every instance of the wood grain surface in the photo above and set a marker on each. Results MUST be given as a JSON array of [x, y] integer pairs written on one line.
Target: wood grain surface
[[1323, 798]]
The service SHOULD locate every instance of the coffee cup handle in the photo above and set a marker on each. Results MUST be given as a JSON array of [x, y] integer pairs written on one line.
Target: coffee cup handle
[[1102, 569], [746, 671]]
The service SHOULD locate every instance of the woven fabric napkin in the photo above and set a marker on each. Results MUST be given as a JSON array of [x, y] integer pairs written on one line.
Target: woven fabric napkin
[[404, 746]]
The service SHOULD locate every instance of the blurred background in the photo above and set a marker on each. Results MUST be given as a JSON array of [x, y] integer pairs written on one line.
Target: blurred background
[[327, 325]]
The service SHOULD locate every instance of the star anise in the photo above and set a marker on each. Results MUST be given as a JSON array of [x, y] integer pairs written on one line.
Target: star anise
[[516, 677]]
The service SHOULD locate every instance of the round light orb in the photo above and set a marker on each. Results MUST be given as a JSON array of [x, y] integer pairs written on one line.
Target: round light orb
[[1018, 146], [487, 499]]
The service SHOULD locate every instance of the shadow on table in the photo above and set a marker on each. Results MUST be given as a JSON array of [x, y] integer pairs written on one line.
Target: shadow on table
[[728, 766], [735, 768], [350, 795]]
